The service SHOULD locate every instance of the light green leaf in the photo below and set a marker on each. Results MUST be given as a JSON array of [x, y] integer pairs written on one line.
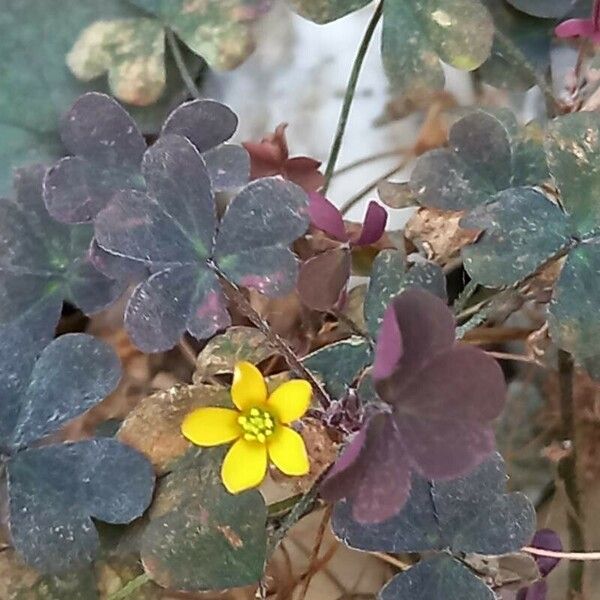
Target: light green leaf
[[131, 51], [217, 30], [417, 34]]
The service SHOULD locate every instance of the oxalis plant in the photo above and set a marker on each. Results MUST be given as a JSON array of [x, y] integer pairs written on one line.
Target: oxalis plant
[[398, 409]]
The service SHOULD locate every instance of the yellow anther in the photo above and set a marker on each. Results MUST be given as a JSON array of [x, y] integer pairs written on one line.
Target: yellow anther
[[261, 438], [268, 432], [242, 420], [249, 437], [254, 412]]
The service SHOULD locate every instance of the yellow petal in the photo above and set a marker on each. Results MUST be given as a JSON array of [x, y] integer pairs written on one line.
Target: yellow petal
[[245, 466], [249, 388], [291, 400], [288, 452], [211, 426]]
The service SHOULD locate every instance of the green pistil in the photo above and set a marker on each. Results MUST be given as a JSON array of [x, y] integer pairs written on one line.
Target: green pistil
[[258, 425]]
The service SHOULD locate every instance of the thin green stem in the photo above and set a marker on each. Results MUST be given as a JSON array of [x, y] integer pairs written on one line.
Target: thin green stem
[[130, 587], [190, 84], [567, 470], [349, 95]]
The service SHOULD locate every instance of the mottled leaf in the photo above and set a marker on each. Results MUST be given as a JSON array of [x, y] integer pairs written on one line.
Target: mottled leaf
[[131, 51], [340, 364], [200, 537], [217, 30], [487, 154], [573, 311], [573, 150], [417, 35], [88, 371], [258, 226], [325, 11], [222, 352], [437, 578], [55, 491], [522, 229], [43, 262], [154, 426], [472, 514], [389, 278], [547, 9]]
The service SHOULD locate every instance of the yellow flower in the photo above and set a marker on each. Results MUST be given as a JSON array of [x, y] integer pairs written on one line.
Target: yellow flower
[[258, 429]]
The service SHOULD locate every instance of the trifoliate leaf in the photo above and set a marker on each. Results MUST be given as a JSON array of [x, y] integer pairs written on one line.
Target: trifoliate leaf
[[55, 491], [43, 262], [171, 228], [487, 154]]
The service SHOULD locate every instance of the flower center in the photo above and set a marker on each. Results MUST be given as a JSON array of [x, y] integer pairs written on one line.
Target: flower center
[[257, 425]]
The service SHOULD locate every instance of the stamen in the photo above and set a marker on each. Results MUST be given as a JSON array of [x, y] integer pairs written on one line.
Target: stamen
[[257, 425]]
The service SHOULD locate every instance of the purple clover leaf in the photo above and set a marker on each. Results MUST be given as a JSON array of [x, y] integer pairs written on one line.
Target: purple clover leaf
[[43, 262], [106, 151], [323, 277], [440, 400], [172, 229], [55, 489], [584, 28]]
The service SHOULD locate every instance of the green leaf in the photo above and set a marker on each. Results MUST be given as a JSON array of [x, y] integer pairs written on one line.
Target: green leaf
[[522, 230], [573, 313], [217, 30], [518, 37], [573, 150], [417, 34], [488, 153], [339, 365], [131, 51], [389, 278], [436, 578], [325, 11], [200, 537], [223, 351]]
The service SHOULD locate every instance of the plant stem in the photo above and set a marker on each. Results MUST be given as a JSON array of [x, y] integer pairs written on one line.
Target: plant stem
[[130, 587], [349, 95], [567, 470], [236, 295], [181, 66], [368, 159]]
